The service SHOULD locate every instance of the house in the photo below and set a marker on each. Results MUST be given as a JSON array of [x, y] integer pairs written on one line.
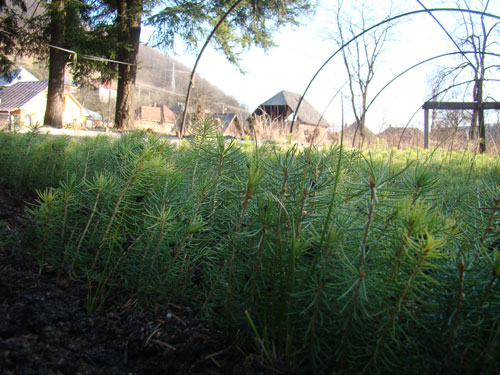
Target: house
[[107, 90], [273, 119], [24, 104], [231, 125], [352, 133], [150, 114], [18, 75], [402, 137], [156, 118], [92, 118]]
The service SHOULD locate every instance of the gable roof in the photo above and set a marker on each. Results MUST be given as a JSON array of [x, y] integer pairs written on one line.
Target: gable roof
[[288, 101], [157, 114], [168, 114], [15, 96], [18, 75], [225, 119], [353, 128]]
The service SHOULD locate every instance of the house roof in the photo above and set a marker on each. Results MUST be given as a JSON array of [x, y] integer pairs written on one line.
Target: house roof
[[225, 119], [289, 100], [353, 128], [18, 75], [15, 96], [157, 114], [168, 114], [150, 113], [104, 84]]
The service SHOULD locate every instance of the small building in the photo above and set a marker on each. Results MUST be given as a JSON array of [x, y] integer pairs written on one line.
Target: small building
[[231, 125], [273, 119], [107, 90], [352, 136], [18, 75], [24, 103], [158, 119], [401, 137], [282, 106], [92, 119]]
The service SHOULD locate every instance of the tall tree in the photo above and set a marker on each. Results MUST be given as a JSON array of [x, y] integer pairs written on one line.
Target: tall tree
[[253, 23], [10, 17], [362, 55], [83, 28], [17, 18], [30, 27], [57, 65], [478, 36], [26, 33], [129, 17]]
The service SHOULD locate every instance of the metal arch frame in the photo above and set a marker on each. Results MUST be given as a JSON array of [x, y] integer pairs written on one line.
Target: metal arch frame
[[402, 15], [193, 72]]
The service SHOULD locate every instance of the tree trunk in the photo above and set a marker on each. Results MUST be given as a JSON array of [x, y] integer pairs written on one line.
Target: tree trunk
[[129, 19], [362, 131], [57, 64], [475, 112], [482, 129]]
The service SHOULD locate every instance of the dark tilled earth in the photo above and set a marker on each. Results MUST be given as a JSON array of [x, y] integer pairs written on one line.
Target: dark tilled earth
[[44, 327]]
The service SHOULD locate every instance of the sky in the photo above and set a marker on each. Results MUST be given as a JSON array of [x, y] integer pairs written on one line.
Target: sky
[[302, 50]]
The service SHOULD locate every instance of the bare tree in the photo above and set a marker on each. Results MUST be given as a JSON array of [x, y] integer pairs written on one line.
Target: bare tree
[[443, 86], [361, 56], [435, 83], [478, 36]]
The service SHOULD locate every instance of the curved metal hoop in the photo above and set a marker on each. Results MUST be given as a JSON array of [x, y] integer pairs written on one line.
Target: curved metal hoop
[[421, 63], [193, 72], [402, 15]]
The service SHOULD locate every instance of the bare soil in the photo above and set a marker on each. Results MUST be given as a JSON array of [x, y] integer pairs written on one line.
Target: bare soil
[[45, 329]]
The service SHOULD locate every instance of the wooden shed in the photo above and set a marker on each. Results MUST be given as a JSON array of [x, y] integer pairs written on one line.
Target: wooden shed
[[282, 106], [231, 125], [272, 119]]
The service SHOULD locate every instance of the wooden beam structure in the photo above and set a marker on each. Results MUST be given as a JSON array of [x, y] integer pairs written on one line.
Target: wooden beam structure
[[481, 106], [459, 105]]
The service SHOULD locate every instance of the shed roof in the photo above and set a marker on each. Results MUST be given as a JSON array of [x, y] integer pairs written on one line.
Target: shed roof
[[15, 96], [225, 119], [289, 100]]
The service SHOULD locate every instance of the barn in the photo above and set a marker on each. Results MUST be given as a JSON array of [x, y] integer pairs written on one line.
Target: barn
[[273, 118]]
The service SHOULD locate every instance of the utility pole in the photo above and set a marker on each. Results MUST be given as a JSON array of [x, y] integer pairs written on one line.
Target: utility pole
[[172, 82]]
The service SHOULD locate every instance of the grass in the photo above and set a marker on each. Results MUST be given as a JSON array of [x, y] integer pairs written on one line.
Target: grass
[[328, 258]]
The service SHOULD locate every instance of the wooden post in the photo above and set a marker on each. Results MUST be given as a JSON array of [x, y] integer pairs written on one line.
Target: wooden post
[[426, 128], [482, 130]]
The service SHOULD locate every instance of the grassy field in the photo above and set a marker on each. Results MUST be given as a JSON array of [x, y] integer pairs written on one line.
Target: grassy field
[[331, 259]]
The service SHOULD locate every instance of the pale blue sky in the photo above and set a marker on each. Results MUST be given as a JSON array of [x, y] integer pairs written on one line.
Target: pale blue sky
[[302, 50]]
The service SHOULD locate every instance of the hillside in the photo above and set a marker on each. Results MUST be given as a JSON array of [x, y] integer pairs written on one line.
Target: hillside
[[161, 80]]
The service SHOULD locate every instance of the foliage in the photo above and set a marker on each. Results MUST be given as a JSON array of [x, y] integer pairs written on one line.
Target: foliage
[[327, 258], [252, 23], [16, 19]]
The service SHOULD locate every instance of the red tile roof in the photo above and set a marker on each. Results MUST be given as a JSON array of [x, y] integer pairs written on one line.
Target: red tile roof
[[150, 113], [157, 114]]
